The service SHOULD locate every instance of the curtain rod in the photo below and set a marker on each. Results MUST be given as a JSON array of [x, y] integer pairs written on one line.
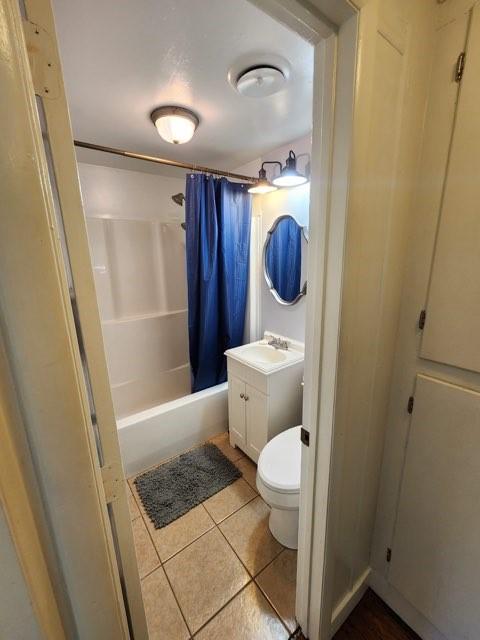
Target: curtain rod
[[171, 163]]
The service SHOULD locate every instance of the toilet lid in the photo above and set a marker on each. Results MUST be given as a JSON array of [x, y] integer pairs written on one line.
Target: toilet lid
[[279, 462]]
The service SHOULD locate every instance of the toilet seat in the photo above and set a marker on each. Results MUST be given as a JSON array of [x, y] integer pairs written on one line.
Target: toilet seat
[[279, 463]]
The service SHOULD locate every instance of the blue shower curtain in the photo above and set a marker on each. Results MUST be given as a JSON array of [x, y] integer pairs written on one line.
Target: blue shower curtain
[[284, 259], [218, 217]]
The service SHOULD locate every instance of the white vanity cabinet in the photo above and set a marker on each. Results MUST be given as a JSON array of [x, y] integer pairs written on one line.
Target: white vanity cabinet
[[261, 402]]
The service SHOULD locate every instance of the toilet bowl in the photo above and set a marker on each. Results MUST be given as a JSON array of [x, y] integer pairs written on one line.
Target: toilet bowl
[[278, 482]]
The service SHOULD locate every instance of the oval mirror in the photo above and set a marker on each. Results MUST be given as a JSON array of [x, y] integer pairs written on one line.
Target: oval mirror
[[285, 260]]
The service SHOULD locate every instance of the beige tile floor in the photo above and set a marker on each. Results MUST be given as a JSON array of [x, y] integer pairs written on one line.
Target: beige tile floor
[[216, 572]]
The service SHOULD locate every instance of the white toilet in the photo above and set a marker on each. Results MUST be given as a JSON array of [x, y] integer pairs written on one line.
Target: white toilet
[[278, 482]]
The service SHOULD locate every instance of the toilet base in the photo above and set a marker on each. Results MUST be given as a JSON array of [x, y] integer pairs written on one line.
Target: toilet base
[[283, 524]]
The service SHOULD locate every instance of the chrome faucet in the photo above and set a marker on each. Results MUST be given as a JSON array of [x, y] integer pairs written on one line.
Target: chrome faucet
[[276, 343]]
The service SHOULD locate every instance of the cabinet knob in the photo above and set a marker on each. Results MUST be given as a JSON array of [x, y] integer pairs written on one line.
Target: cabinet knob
[[242, 395], [246, 397]]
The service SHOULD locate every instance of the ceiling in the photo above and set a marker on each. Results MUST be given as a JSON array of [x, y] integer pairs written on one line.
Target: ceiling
[[121, 59]]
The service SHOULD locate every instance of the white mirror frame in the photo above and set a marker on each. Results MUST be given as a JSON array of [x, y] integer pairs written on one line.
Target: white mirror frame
[[268, 280]]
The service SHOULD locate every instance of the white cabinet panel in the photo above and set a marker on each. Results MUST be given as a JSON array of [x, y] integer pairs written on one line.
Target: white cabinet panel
[[256, 406], [435, 553], [451, 334], [236, 410], [255, 417]]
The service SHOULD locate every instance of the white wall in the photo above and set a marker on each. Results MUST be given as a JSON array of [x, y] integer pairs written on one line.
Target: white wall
[[287, 321], [138, 254], [17, 618]]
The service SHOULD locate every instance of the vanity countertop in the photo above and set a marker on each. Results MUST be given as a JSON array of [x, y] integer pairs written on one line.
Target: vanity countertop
[[266, 358]]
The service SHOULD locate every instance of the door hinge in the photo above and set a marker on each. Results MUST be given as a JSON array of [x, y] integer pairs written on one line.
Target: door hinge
[[113, 480], [411, 402], [421, 319], [305, 437], [389, 554], [41, 55], [460, 67]]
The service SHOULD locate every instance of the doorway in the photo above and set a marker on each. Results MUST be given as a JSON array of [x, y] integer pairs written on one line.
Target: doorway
[[88, 329]]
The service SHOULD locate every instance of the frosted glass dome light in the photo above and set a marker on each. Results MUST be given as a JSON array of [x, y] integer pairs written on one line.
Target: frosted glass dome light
[[175, 124]]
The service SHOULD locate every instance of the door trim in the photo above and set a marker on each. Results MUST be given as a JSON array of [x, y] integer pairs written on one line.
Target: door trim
[[334, 94], [329, 182]]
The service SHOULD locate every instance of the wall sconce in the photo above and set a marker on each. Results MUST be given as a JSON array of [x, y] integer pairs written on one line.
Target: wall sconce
[[263, 185], [288, 177]]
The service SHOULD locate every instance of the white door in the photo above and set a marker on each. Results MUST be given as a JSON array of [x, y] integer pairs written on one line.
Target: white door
[[236, 410], [435, 554], [73, 260], [256, 405], [451, 333]]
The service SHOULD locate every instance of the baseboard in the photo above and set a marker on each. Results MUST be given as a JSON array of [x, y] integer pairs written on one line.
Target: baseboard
[[403, 608], [348, 603]]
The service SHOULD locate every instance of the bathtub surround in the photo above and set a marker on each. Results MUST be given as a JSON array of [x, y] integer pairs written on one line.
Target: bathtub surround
[[137, 248], [218, 218]]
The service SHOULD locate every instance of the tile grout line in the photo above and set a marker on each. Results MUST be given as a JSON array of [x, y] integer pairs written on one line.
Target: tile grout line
[[270, 561], [190, 543], [236, 510], [166, 577], [150, 572], [251, 578], [254, 580], [140, 508], [236, 554], [178, 603], [144, 515], [214, 524], [250, 581]]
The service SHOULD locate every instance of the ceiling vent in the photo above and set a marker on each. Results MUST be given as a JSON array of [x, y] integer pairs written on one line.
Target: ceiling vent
[[260, 82]]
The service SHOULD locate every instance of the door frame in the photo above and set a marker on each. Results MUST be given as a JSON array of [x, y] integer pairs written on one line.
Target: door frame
[[331, 26], [67, 491], [334, 36]]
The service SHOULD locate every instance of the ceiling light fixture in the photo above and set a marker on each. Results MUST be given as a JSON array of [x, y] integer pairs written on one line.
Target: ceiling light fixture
[[289, 176], [263, 185], [175, 124]]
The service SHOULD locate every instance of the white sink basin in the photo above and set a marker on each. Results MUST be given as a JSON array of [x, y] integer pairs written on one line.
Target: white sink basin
[[264, 354], [265, 358]]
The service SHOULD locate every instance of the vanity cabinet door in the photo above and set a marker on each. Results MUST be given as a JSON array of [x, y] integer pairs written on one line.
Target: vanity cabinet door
[[256, 406], [236, 411]]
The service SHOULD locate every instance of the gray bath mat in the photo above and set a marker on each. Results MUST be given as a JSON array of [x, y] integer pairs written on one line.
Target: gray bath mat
[[172, 489]]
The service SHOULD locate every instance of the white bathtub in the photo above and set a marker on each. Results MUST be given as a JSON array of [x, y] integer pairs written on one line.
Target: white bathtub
[[151, 436]]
